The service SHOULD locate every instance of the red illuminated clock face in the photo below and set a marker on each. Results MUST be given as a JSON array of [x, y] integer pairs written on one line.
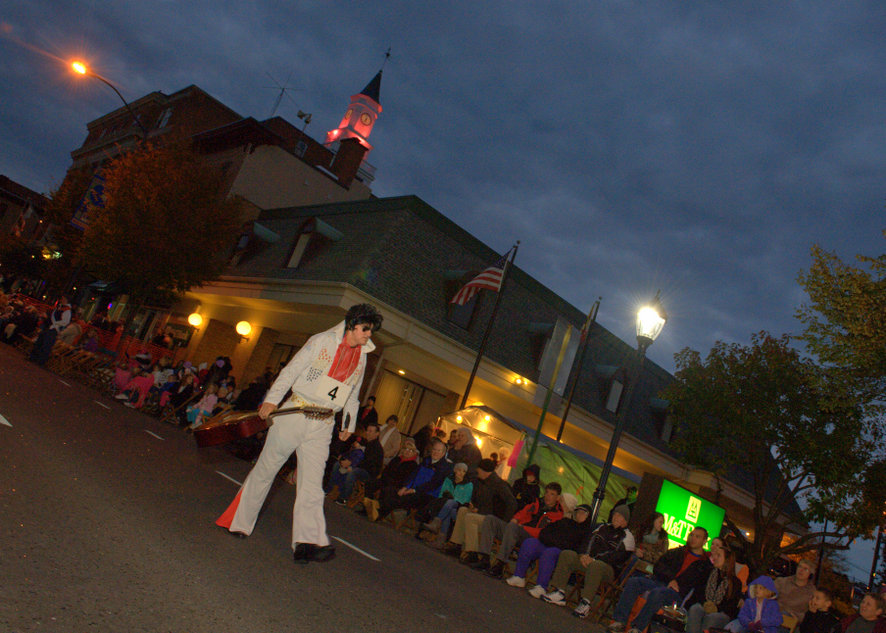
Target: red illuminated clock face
[[365, 119], [349, 113]]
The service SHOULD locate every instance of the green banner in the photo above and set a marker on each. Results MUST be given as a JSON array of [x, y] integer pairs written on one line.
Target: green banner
[[683, 511]]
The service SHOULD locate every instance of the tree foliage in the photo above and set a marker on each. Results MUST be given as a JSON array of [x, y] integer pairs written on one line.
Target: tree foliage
[[65, 238], [20, 257], [165, 224], [793, 427], [845, 320]]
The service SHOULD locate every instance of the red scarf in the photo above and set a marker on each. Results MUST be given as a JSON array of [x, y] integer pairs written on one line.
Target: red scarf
[[345, 362]]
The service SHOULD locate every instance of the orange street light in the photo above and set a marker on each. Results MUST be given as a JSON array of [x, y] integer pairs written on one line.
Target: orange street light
[[82, 69]]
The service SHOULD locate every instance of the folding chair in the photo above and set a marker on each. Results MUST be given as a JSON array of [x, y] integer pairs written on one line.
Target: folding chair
[[609, 592]]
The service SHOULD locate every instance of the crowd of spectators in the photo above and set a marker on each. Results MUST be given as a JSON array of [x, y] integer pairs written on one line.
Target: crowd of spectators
[[462, 505]]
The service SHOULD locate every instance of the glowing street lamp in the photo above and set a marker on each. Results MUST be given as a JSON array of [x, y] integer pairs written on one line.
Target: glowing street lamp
[[650, 321], [82, 69]]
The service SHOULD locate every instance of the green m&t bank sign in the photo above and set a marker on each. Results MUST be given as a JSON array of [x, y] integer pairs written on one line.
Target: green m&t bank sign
[[683, 511]]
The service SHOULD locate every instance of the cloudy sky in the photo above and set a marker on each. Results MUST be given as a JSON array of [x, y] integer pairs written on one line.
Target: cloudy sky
[[700, 148]]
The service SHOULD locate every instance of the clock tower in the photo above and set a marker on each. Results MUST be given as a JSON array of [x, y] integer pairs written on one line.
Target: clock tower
[[360, 116]]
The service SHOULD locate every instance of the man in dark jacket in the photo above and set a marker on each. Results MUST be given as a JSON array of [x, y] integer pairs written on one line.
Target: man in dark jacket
[[492, 495], [600, 555], [526, 523], [678, 572], [423, 486], [367, 414], [370, 465], [464, 450]]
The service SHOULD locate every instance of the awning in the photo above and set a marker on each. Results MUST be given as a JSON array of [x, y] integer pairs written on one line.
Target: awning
[[577, 472]]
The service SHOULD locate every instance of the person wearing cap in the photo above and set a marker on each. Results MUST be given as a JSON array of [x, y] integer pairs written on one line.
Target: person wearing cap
[[679, 571], [325, 373], [795, 592], [492, 495], [601, 553], [526, 522], [565, 534]]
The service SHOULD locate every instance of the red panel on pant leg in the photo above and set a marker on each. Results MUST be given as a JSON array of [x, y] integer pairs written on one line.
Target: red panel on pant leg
[[228, 515]]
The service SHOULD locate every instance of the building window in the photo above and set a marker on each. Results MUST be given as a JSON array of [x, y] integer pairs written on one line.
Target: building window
[[164, 118]]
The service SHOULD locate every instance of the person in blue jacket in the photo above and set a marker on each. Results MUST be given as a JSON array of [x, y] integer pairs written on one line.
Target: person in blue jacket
[[425, 484]]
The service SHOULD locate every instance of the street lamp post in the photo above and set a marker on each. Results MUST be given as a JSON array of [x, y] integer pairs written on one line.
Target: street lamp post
[[650, 321], [81, 69]]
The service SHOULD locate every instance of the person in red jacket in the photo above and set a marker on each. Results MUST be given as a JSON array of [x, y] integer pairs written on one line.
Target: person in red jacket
[[526, 523]]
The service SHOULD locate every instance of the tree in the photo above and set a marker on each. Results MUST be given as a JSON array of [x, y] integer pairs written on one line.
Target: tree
[[64, 238], [165, 224], [20, 257], [795, 429], [845, 321]]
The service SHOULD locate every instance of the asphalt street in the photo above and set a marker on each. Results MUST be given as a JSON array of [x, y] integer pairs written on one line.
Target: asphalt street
[[107, 524]]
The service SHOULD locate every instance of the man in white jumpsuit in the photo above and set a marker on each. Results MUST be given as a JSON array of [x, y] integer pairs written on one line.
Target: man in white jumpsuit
[[327, 373]]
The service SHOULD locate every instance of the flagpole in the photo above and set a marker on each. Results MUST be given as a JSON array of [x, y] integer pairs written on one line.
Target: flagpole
[[585, 334], [501, 291]]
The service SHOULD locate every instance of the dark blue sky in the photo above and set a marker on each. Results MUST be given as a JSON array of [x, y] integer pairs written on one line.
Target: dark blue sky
[[696, 147]]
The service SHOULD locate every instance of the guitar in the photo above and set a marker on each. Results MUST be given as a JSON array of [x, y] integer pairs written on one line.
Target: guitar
[[228, 426]]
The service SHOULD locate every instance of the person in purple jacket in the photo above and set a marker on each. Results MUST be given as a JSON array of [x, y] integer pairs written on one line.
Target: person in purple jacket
[[760, 612]]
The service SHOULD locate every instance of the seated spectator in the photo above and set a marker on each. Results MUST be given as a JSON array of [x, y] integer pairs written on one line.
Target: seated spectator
[[345, 465], [600, 556], [526, 522], [203, 408], [368, 468], [527, 489], [423, 486], [501, 468], [422, 437], [565, 534], [367, 413], [455, 493], [719, 603], [869, 617], [819, 618], [251, 398], [71, 334], [760, 612], [390, 438], [136, 390], [652, 539], [492, 496], [678, 572], [465, 450], [398, 471], [180, 394], [628, 500], [795, 592]]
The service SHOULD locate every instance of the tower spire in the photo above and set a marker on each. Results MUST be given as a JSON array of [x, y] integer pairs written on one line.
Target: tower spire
[[362, 113]]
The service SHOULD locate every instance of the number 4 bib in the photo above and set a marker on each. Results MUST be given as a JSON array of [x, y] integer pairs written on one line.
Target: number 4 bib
[[327, 392]]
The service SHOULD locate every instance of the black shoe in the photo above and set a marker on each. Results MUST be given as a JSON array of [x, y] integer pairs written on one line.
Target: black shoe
[[470, 558], [321, 554], [496, 569], [300, 553], [482, 562]]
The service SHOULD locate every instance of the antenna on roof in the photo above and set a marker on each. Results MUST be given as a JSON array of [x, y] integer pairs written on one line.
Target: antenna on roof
[[283, 88]]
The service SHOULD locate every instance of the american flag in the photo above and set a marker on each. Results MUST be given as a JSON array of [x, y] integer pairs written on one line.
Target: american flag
[[489, 279]]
